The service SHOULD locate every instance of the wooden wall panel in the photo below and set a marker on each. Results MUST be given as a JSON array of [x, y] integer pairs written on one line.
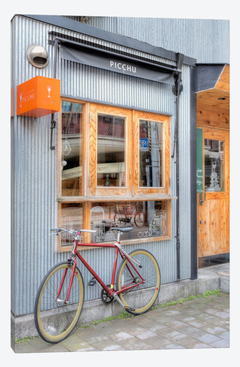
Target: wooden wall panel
[[213, 104], [213, 233], [224, 80], [212, 111]]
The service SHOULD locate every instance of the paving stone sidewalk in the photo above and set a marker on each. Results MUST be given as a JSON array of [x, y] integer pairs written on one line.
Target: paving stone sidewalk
[[199, 323]]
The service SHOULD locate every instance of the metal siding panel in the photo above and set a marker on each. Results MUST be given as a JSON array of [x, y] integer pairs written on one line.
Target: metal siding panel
[[207, 40], [33, 180], [34, 167], [104, 86]]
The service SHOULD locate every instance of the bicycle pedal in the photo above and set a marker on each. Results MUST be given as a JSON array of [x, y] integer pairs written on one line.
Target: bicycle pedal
[[129, 308], [92, 282]]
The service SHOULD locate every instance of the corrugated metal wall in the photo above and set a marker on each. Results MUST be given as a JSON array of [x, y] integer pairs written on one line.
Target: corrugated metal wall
[[34, 207], [207, 40]]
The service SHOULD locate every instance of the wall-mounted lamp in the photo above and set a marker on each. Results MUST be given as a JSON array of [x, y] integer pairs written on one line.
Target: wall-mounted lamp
[[37, 56]]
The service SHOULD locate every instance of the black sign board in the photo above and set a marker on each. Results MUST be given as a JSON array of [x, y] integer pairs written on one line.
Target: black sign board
[[117, 64]]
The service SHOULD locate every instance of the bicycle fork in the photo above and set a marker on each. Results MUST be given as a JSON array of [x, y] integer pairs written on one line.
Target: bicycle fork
[[58, 300]]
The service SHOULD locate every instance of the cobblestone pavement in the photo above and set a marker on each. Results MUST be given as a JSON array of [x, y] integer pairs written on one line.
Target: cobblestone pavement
[[199, 323]]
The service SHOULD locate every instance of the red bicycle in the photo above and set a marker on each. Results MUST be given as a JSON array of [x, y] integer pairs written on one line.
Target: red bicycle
[[60, 296]]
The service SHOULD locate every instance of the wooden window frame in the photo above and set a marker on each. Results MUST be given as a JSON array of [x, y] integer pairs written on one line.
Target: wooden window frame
[[96, 191], [219, 135], [165, 121], [132, 191]]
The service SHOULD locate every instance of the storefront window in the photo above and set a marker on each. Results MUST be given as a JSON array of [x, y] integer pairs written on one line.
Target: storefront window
[[147, 218], [115, 172], [110, 151], [71, 219], [214, 165], [150, 154], [71, 162]]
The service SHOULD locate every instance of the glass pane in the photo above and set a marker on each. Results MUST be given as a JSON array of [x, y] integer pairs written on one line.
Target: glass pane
[[71, 218], [72, 122], [150, 154], [111, 151], [214, 165], [148, 219]]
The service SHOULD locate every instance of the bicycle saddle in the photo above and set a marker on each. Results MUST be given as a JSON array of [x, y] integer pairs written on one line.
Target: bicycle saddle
[[121, 229]]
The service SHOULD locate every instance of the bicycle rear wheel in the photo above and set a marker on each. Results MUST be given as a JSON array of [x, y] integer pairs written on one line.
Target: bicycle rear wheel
[[54, 319], [139, 219], [141, 298]]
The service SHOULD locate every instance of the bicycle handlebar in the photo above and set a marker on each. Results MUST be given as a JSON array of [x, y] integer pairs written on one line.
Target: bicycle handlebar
[[59, 230]]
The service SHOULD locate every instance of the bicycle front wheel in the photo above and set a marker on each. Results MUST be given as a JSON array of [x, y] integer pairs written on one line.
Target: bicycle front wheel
[[141, 298], [55, 319]]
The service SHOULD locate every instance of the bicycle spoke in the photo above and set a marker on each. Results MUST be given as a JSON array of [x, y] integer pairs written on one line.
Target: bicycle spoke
[[55, 319], [141, 297]]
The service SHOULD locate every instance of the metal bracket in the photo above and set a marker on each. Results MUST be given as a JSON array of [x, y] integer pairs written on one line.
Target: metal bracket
[[51, 42], [202, 197], [178, 85], [53, 125], [177, 88]]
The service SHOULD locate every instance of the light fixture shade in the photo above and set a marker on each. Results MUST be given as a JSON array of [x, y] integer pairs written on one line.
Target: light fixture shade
[[37, 56]]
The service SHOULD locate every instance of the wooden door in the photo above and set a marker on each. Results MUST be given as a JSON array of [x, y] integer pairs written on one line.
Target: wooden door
[[213, 203]]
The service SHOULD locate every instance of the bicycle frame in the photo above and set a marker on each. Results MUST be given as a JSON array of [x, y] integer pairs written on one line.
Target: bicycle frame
[[111, 291]]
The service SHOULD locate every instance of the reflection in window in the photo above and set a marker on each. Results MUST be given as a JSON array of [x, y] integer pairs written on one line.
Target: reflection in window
[[72, 122], [111, 151], [71, 218], [148, 219], [214, 165], [150, 154]]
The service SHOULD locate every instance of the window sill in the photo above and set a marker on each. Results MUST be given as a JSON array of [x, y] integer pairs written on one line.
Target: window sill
[[137, 241], [73, 199]]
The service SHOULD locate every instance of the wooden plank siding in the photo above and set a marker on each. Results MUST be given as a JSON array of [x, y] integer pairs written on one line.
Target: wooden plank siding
[[223, 82], [213, 104]]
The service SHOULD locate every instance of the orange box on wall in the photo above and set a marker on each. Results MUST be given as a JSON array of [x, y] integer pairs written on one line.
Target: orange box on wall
[[38, 97]]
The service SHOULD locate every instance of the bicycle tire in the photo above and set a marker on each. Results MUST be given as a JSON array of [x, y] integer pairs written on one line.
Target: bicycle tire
[[55, 321], [140, 299], [139, 219]]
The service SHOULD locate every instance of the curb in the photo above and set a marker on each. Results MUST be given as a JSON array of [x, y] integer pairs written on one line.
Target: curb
[[23, 326]]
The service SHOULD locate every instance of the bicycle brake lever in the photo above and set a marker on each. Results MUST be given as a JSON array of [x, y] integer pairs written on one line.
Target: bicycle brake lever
[[57, 233]]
